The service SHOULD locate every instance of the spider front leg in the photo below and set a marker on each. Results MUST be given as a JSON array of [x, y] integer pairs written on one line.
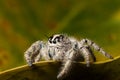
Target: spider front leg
[[68, 63], [87, 54], [33, 53]]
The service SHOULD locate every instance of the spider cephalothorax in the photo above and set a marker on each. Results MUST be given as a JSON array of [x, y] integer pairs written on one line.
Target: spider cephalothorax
[[63, 48]]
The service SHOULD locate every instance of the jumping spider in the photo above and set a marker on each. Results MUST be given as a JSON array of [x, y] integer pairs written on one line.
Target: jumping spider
[[65, 49]]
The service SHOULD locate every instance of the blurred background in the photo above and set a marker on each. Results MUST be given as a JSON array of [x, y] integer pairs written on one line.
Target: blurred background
[[23, 22]]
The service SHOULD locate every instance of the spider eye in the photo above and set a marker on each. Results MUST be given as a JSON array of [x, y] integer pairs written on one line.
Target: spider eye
[[57, 39], [54, 42], [50, 39], [61, 36]]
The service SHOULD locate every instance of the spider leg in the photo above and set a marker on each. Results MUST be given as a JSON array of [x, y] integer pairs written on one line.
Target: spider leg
[[67, 64], [32, 54], [86, 54], [96, 47], [91, 54]]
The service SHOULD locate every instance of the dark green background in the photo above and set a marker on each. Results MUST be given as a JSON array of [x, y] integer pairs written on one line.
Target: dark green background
[[23, 22]]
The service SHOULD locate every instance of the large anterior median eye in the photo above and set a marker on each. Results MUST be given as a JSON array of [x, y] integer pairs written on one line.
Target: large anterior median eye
[[57, 39], [54, 41]]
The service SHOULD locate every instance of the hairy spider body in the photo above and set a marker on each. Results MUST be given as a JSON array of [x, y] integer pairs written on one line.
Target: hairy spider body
[[65, 49]]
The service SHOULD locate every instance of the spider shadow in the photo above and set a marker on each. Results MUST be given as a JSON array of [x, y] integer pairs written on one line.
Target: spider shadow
[[82, 72]]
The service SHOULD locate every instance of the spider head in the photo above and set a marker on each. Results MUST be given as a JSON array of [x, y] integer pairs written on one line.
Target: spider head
[[57, 39]]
